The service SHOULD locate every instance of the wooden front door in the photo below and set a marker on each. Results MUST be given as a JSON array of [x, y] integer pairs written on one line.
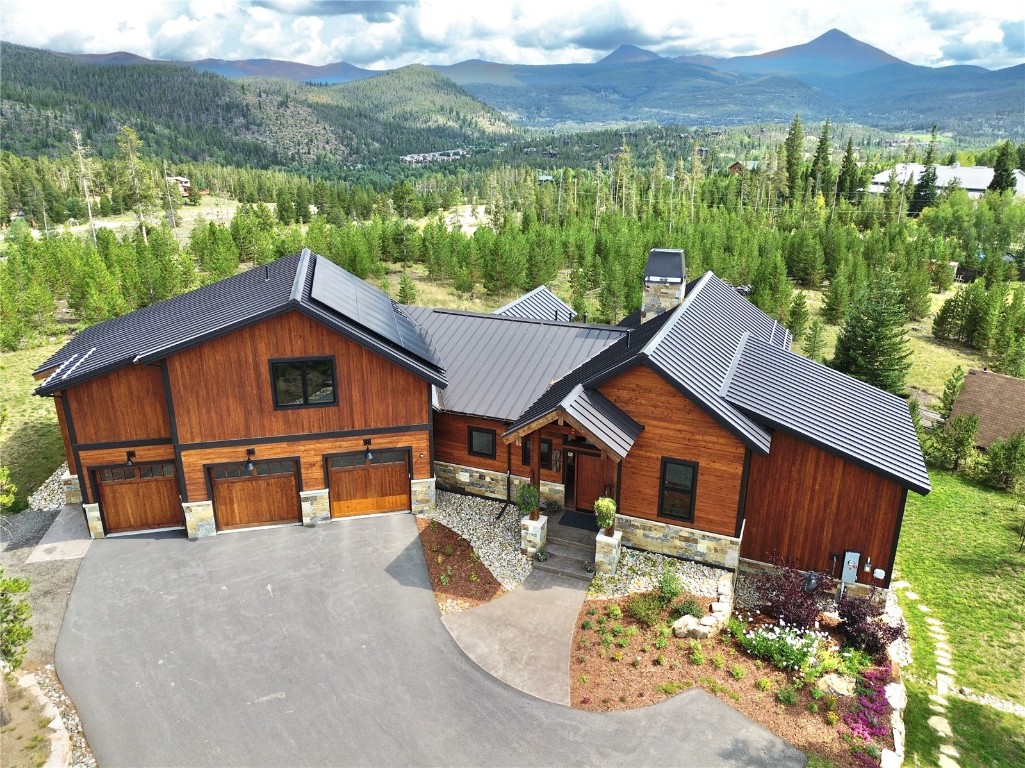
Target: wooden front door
[[359, 487], [268, 495], [589, 480], [139, 498]]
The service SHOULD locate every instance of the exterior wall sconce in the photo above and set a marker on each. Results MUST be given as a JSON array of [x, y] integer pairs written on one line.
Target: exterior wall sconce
[[367, 455], [248, 466], [129, 456]]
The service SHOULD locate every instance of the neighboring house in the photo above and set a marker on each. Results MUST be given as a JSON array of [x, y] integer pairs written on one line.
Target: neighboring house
[[737, 167], [997, 400], [974, 179], [183, 184], [297, 393]]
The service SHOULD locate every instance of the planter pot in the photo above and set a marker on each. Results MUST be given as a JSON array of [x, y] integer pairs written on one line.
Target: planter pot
[[535, 515]]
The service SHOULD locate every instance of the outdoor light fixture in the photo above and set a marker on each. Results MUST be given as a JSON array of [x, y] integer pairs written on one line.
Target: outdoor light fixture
[[811, 582], [248, 466], [367, 455], [129, 455], [868, 565]]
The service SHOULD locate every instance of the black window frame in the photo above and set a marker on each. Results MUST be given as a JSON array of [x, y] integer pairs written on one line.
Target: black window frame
[[666, 461], [526, 449], [302, 362], [492, 434]]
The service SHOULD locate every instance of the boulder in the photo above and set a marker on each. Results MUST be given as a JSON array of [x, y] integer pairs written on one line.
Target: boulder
[[838, 685], [683, 625]]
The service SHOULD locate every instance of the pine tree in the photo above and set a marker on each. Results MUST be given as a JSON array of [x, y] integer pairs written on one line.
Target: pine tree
[[407, 290], [1003, 169], [798, 316], [951, 389], [955, 441], [814, 343], [847, 185], [794, 145], [925, 194], [873, 344], [821, 168]]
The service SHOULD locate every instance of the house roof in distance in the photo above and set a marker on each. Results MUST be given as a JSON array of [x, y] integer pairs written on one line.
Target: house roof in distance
[[973, 178], [538, 304], [303, 281], [836, 412], [497, 365], [997, 400]]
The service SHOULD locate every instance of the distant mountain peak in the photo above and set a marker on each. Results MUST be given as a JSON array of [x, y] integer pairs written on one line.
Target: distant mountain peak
[[629, 54]]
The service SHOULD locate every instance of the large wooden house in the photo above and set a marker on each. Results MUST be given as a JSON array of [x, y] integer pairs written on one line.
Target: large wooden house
[[296, 393]]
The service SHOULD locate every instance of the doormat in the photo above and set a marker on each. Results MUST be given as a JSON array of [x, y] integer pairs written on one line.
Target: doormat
[[580, 520]]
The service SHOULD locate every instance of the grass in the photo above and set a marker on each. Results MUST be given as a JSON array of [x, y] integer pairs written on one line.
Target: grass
[[30, 440]]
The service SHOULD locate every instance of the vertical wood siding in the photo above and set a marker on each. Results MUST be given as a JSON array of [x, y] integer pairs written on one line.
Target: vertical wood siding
[[126, 404], [807, 503], [676, 427], [450, 443], [222, 389]]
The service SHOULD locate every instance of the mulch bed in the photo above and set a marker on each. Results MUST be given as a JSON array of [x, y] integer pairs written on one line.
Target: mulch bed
[[459, 578]]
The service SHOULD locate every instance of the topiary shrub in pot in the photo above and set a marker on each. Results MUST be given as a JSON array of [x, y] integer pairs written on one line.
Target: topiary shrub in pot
[[527, 498], [605, 512]]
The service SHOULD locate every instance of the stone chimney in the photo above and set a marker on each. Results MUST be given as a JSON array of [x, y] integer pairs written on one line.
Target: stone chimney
[[664, 279]]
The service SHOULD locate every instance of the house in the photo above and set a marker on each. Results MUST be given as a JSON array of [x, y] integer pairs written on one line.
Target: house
[[539, 304], [296, 393], [739, 167], [974, 179], [183, 184], [997, 400]]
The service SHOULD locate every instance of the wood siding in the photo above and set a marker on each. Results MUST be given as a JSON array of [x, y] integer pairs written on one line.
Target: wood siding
[[243, 502], [311, 456], [123, 405], [551, 432], [450, 443], [808, 503], [108, 457], [58, 403], [369, 489], [676, 427], [222, 389]]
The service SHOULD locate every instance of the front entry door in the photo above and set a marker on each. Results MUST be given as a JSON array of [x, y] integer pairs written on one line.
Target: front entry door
[[589, 480]]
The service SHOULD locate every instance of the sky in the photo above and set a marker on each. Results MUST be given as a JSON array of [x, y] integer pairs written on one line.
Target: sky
[[384, 34]]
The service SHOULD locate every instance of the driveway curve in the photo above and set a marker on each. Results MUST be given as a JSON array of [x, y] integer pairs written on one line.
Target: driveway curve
[[324, 646]]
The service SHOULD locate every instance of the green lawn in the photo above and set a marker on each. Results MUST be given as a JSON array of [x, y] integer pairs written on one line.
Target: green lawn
[[30, 441], [959, 551]]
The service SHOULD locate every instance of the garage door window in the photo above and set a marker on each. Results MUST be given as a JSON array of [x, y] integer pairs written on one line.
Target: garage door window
[[359, 459], [303, 383], [117, 474]]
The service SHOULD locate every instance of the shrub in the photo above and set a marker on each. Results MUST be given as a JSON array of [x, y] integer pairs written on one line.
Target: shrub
[[813, 707], [786, 695], [862, 628], [738, 672], [444, 580], [672, 688], [783, 594], [617, 630], [661, 643], [832, 718], [587, 624], [614, 611], [817, 693], [670, 587], [697, 656], [623, 642], [785, 647], [605, 512], [660, 660], [764, 684], [645, 608], [718, 661], [527, 497]]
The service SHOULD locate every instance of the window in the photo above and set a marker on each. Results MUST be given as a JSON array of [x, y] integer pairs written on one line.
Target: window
[[678, 488], [546, 452], [299, 383], [480, 442]]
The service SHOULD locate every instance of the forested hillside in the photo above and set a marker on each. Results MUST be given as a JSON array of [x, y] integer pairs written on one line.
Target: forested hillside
[[183, 115]]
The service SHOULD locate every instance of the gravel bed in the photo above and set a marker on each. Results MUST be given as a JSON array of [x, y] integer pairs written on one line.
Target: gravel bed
[[497, 543], [641, 572], [81, 755], [50, 495], [991, 701]]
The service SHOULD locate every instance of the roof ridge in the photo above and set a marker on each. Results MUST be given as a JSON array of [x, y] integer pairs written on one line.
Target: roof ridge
[[521, 319], [299, 283], [678, 311], [737, 354]]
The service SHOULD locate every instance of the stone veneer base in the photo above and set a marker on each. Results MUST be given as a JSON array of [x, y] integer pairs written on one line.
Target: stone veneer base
[[664, 538], [72, 488], [316, 506], [479, 482], [92, 518], [423, 496], [199, 519]]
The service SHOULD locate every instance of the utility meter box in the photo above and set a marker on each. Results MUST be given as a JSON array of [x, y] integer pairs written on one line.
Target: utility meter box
[[851, 561]]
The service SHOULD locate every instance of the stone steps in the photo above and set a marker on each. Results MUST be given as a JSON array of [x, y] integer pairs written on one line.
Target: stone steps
[[564, 565], [570, 553]]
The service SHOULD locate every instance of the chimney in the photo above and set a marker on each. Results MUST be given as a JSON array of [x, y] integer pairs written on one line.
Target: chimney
[[664, 279]]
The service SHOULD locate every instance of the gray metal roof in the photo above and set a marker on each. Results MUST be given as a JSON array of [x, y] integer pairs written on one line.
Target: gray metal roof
[[829, 409], [498, 365], [538, 304], [601, 419], [154, 332]]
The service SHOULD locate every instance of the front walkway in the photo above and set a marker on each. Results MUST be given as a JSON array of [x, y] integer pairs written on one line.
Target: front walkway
[[524, 637]]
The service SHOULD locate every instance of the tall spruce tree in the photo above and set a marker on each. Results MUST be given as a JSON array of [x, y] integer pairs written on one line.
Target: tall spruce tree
[[847, 184], [1003, 169], [873, 344], [798, 316], [794, 146], [821, 168], [814, 343], [925, 194], [951, 389]]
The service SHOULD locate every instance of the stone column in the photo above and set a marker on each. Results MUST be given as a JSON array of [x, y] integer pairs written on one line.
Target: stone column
[[607, 550], [423, 497], [199, 519], [92, 517], [72, 488], [316, 507], [533, 534]]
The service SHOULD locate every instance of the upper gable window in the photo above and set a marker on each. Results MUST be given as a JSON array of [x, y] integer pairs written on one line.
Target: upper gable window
[[300, 383]]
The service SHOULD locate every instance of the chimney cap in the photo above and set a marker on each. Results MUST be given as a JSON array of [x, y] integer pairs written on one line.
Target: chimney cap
[[665, 265]]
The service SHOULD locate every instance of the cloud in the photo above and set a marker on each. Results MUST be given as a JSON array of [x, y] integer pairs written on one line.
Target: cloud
[[371, 10], [1014, 37]]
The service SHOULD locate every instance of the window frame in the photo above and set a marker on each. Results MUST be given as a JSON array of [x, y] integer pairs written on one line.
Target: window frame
[[493, 434], [526, 449], [302, 362], [666, 461]]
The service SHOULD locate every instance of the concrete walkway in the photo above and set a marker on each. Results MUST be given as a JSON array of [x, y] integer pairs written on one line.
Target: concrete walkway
[[524, 638]]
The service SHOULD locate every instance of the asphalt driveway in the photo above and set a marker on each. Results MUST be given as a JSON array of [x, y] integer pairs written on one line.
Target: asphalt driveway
[[323, 646]]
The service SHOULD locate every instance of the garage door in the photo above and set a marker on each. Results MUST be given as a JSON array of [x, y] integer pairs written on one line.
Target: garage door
[[139, 498], [361, 487], [267, 495]]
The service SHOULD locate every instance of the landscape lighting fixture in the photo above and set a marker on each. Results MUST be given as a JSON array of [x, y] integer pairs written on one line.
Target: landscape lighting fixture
[[248, 466], [129, 455], [367, 455], [811, 582]]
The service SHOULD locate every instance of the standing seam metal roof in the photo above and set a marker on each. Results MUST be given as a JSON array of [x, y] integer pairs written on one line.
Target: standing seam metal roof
[[154, 332], [538, 304], [838, 413], [602, 419]]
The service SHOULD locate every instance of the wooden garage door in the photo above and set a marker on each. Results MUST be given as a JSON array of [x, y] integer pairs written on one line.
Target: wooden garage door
[[139, 498], [361, 487], [266, 496]]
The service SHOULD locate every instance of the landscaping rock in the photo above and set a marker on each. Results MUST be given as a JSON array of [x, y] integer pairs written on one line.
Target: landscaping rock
[[49, 495], [683, 626], [838, 685], [641, 572], [708, 621]]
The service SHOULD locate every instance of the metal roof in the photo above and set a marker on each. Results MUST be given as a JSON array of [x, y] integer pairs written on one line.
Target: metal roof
[[601, 419], [154, 332], [840, 414], [498, 365], [538, 304], [974, 179]]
